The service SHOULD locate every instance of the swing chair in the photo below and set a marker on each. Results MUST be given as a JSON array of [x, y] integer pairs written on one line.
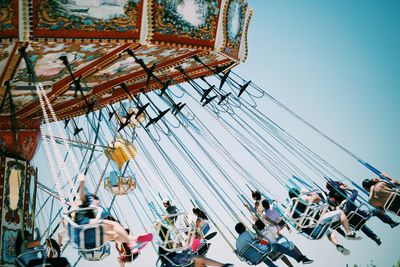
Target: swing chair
[[176, 236], [392, 204], [120, 152], [85, 236], [358, 217], [251, 254], [307, 217], [119, 185], [96, 254], [34, 254]]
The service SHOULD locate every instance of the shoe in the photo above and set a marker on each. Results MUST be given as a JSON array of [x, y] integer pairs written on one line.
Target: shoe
[[378, 241], [394, 224], [307, 261], [227, 265], [342, 250], [353, 236]]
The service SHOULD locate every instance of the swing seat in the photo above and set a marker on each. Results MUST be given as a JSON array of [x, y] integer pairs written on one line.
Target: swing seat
[[37, 256], [203, 249], [392, 204], [175, 237], [205, 228], [251, 254], [96, 254], [119, 185], [85, 236], [164, 261], [357, 218]]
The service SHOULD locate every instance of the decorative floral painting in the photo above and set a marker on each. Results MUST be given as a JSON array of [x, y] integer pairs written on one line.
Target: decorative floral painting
[[191, 19], [47, 65], [91, 18], [8, 18], [234, 24]]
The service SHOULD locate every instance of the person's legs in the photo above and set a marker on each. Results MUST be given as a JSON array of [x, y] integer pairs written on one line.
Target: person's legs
[[203, 261], [368, 232], [115, 230], [384, 217], [286, 251], [332, 237], [286, 261], [269, 263]]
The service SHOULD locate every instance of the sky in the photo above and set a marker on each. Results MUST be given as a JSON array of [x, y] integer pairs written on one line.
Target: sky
[[335, 63]]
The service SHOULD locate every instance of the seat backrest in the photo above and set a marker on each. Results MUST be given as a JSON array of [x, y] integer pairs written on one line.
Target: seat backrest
[[251, 254], [393, 202]]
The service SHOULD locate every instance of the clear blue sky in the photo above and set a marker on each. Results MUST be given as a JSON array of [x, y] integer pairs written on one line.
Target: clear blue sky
[[336, 63]]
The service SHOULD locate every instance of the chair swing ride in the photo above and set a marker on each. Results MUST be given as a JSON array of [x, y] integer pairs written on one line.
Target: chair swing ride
[[141, 99]]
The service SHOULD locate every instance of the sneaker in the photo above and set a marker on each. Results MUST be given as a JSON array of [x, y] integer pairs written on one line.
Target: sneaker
[[141, 242], [394, 224], [378, 241], [353, 236], [342, 250], [307, 261]]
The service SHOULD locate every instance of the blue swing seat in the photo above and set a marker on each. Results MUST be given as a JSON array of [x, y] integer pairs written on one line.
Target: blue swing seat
[[85, 236]]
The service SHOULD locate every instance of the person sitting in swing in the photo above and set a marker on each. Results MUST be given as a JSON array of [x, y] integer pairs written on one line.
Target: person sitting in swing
[[113, 230], [270, 235], [245, 238], [273, 216], [256, 196], [340, 195], [325, 218], [171, 210], [171, 259], [201, 223], [380, 191]]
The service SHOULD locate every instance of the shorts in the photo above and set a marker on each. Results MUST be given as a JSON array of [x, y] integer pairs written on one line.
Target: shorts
[[331, 216]]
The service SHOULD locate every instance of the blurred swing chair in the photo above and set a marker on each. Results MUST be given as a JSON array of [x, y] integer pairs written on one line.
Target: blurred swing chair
[[87, 238]]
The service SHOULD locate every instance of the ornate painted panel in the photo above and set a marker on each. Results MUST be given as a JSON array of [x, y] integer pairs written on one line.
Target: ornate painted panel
[[14, 177], [188, 22], [234, 22], [8, 19], [109, 19]]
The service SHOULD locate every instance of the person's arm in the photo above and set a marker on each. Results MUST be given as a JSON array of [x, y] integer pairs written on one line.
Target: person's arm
[[384, 174], [82, 193]]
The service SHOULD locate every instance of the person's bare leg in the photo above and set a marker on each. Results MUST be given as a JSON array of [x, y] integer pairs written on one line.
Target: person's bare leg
[[116, 230], [203, 261], [333, 239], [286, 261], [345, 223]]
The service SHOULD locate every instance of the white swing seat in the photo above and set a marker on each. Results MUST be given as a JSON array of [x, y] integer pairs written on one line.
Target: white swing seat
[[392, 204], [96, 254], [179, 235], [251, 254], [310, 223], [85, 236], [119, 185]]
